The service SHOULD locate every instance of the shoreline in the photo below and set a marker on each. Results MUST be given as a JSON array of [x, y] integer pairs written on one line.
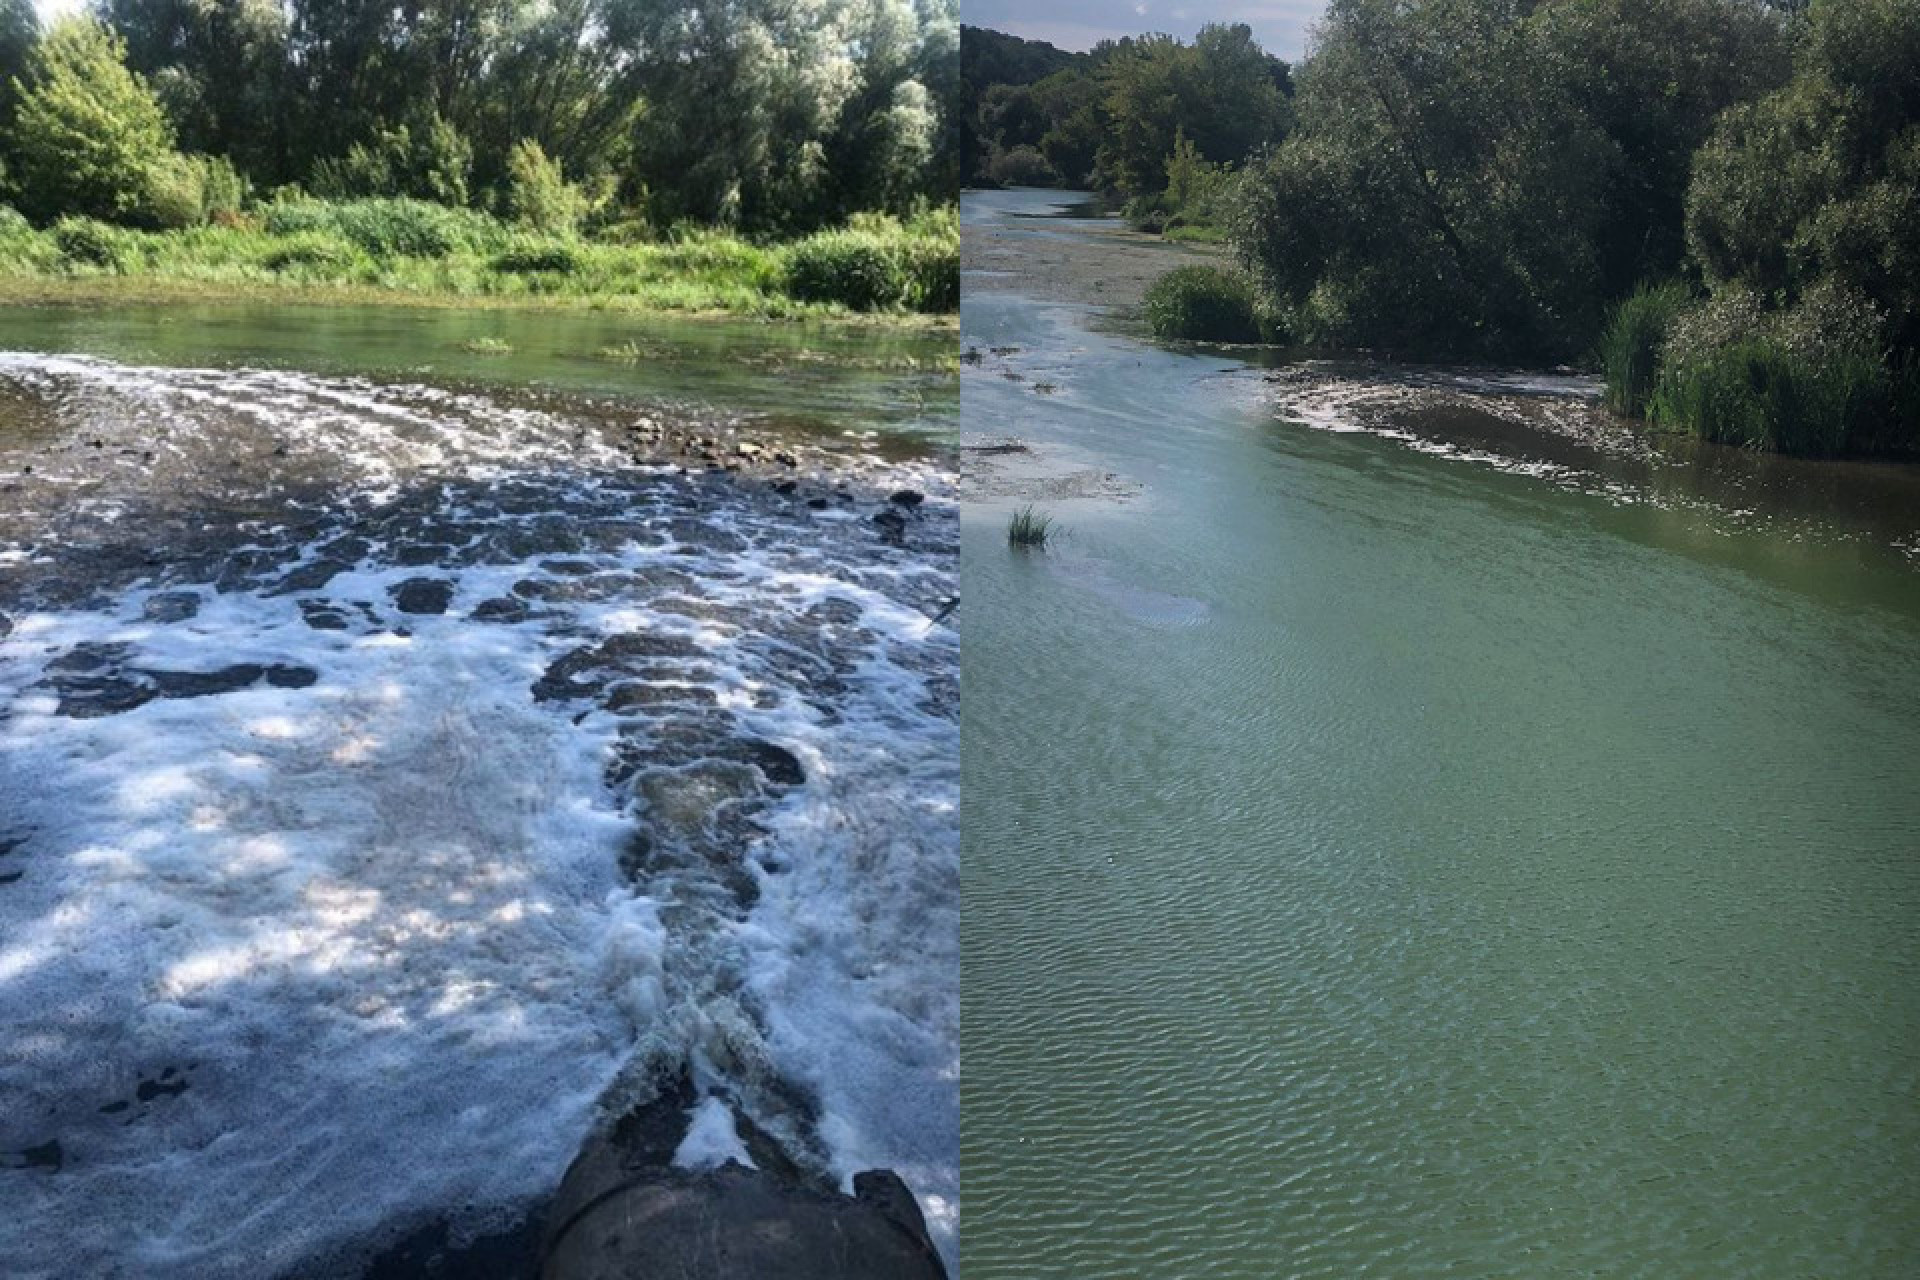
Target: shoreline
[[1545, 422], [81, 292]]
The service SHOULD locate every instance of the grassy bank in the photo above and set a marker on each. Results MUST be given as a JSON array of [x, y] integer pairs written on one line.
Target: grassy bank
[[407, 251]]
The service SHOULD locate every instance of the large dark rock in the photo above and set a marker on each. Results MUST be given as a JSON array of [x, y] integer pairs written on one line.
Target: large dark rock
[[423, 595], [735, 1223], [624, 1212]]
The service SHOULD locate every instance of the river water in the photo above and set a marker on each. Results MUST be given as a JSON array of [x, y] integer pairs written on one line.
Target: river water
[[1414, 826], [410, 755]]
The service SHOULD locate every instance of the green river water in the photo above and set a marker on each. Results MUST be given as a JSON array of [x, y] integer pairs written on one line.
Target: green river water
[[825, 379], [1411, 851]]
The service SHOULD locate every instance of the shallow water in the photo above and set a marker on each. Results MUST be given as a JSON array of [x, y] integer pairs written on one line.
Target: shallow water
[[818, 378], [1410, 831], [400, 773]]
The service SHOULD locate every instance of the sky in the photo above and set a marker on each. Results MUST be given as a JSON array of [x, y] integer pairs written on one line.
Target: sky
[[1279, 25]]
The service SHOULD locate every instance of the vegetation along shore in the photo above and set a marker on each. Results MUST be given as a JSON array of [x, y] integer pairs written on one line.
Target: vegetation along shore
[[554, 156], [1714, 202]]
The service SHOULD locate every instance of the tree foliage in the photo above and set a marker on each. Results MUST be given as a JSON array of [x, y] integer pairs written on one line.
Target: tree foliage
[[87, 133], [1819, 182], [1110, 118], [771, 116], [1468, 177]]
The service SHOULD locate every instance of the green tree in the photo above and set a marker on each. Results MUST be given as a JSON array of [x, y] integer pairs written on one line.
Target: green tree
[[758, 112], [1070, 100], [218, 68], [426, 159], [1223, 91], [1820, 181], [87, 131], [538, 193], [554, 81], [1467, 178], [19, 30]]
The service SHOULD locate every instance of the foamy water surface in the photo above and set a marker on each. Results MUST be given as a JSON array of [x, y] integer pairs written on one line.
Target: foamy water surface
[[394, 776]]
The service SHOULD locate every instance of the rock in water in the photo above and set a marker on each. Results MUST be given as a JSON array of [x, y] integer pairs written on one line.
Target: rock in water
[[736, 1223]]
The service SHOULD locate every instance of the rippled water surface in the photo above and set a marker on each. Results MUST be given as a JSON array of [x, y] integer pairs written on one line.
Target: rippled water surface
[[1411, 830], [402, 770]]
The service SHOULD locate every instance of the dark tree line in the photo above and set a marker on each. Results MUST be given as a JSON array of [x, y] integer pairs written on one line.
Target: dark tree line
[[1113, 118]]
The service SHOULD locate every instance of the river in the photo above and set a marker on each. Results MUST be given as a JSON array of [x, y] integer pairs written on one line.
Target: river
[[1414, 825], [416, 749]]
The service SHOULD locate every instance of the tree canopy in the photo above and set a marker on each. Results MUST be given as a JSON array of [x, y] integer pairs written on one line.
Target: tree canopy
[[763, 115], [1110, 119], [88, 132], [1485, 175]]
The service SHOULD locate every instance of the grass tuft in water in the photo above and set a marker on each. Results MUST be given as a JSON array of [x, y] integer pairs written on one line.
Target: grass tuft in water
[[487, 347], [1028, 528]]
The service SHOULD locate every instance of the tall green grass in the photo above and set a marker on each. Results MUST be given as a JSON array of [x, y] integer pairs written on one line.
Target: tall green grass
[[1813, 378], [1027, 528], [1631, 343], [414, 247], [1202, 304], [1759, 394]]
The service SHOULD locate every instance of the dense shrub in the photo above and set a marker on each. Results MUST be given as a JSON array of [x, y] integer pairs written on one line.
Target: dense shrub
[[175, 194], [853, 268], [13, 223], [538, 255], [223, 189], [426, 158], [1811, 379], [1630, 345], [1202, 304], [91, 243], [706, 253], [877, 262], [388, 228], [624, 230], [185, 191], [1145, 213], [932, 274], [1022, 167]]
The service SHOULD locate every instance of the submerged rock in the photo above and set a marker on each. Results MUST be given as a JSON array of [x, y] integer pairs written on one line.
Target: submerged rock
[[170, 606]]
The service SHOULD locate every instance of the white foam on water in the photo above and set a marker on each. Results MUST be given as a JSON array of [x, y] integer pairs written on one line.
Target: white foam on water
[[376, 926], [856, 950], [712, 1138]]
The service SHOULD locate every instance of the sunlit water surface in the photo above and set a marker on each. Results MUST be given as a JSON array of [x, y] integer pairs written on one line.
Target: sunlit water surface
[[397, 772]]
